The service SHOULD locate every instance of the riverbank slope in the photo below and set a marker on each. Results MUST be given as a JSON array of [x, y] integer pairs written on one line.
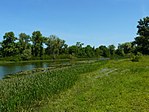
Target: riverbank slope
[[111, 85], [118, 86], [27, 92]]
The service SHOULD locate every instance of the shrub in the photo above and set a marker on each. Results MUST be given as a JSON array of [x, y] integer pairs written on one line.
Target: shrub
[[136, 58], [26, 55]]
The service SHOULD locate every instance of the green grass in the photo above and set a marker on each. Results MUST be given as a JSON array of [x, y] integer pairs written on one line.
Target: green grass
[[26, 93], [107, 86], [118, 86]]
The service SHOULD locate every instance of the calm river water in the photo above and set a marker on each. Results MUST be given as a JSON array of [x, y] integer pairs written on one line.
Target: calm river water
[[17, 67]]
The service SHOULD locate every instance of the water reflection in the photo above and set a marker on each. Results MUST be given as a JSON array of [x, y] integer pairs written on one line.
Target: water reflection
[[17, 67]]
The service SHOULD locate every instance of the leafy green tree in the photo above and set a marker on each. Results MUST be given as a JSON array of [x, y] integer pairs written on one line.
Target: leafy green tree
[[104, 51], [79, 44], [111, 50], [89, 51], [54, 45], [98, 52], [26, 54], [120, 50], [127, 47], [37, 47], [64, 49], [23, 43], [80, 50], [73, 50], [143, 27], [142, 41], [77, 50], [8, 44]]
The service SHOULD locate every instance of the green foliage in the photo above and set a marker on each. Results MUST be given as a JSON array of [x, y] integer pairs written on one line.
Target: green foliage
[[37, 47], [54, 45], [89, 51], [137, 57], [23, 43], [111, 50], [127, 47], [104, 51], [26, 54], [54, 48], [142, 41], [9, 45], [72, 56], [143, 26]]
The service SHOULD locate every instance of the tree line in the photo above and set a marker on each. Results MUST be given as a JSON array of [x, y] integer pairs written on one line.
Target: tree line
[[37, 46]]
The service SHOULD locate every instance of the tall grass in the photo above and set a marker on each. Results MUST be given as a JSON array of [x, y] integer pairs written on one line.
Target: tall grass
[[118, 86], [25, 93]]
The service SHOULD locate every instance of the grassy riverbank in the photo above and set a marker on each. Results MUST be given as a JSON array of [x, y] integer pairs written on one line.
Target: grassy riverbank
[[121, 86], [28, 92], [50, 66], [118, 86]]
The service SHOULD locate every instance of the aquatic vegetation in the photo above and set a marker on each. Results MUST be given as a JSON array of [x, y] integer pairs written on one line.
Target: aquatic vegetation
[[30, 91]]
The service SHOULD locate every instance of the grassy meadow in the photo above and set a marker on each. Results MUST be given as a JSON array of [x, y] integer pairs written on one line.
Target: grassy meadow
[[117, 86], [103, 86]]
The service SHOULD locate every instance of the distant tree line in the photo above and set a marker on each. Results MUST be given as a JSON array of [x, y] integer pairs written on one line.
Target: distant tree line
[[37, 46]]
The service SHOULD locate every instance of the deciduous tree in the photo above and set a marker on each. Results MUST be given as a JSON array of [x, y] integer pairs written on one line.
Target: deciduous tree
[[37, 47], [8, 44], [142, 40]]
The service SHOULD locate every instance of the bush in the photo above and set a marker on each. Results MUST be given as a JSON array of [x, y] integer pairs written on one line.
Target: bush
[[26, 55], [136, 58]]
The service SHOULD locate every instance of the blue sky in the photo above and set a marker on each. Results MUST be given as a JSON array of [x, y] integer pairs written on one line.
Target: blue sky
[[94, 22]]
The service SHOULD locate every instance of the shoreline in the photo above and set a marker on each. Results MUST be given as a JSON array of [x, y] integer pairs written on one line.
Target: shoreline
[[46, 69], [52, 60]]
